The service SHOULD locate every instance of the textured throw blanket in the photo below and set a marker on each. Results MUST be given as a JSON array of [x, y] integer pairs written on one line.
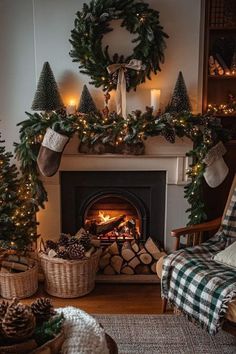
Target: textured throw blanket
[[197, 285]]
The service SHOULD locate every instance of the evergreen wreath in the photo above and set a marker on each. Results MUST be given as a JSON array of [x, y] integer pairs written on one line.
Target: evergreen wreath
[[93, 22]]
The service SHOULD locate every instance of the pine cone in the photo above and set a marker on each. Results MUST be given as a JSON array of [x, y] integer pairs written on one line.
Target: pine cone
[[19, 322], [169, 134], [76, 251], [51, 245], [63, 254], [73, 240], [64, 239], [42, 309], [84, 240], [3, 309]]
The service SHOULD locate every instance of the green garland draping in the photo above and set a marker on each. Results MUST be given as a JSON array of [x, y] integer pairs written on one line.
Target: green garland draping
[[204, 132], [93, 22]]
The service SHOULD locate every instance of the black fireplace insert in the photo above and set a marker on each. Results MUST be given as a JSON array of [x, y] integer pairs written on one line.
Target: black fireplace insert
[[114, 205]]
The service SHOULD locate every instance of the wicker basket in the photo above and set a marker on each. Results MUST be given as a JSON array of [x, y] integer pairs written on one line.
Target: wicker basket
[[51, 347], [20, 285], [69, 279]]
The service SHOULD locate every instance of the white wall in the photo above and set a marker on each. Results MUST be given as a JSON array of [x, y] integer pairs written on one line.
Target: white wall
[[34, 31]]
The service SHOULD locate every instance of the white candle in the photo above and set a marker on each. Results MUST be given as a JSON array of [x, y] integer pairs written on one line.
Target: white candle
[[155, 99], [71, 108]]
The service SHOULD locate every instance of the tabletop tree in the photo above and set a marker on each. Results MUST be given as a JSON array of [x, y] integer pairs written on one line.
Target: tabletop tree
[[180, 101], [47, 97]]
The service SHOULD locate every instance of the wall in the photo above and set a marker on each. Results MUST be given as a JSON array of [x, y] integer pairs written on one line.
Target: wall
[[33, 31]]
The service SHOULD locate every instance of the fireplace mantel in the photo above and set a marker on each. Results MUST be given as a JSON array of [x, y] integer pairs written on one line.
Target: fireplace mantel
[[160, 156]]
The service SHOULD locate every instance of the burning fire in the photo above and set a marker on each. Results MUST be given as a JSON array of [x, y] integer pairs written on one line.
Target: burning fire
[[103, 217]]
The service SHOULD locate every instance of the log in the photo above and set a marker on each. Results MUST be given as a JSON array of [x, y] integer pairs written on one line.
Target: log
[[89, 252], [16, 266], [126, 252], [127, 270], [104, 260], [116, 263], [151, 247], [95, 242], [109, 225], [158, 255], [108, 270], [142, 269], [153, 267], [145, 258], [134, 262], [18, 259], [113, 248], [52, 253], [135, 246]]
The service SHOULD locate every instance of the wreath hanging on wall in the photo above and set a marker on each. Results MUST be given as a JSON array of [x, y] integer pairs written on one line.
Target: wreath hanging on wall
[[94, 21]]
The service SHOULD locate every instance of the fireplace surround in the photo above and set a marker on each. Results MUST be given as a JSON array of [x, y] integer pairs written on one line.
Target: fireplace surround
[[86, 193]]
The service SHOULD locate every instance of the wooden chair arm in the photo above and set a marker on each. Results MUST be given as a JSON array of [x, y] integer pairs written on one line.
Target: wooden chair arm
[[206, 226], [195, 232]]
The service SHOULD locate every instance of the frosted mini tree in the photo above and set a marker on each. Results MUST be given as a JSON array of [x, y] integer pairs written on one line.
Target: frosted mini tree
[[86, 104], [47, 97], [180, 101]]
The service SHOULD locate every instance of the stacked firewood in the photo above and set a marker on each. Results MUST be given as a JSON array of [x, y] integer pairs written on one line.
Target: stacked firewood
[[13, 263], [130, 258]]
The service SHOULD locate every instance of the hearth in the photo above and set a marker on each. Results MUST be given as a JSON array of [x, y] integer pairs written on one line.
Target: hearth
[[115, 205]]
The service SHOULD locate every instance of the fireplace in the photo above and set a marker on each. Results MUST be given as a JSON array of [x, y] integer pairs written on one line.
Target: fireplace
[[114, 205]]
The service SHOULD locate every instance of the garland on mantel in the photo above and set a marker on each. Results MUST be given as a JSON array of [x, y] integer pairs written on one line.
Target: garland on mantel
[[204, 132]]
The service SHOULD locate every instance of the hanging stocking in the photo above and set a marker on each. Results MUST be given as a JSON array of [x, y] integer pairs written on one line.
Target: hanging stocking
[[216, 170], [50, 152]]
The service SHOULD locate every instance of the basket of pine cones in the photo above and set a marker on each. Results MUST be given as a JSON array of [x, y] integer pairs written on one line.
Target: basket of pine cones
[[31, 329], [70, 265]]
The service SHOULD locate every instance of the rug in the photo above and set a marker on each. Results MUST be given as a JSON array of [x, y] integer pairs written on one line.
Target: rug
[[163, 334]]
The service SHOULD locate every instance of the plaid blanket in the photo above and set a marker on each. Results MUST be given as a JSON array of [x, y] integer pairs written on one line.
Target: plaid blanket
[[197, 285]]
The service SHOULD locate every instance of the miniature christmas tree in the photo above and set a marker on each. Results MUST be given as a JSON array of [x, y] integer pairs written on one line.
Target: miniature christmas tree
[[8, 195], [179, 101], [86, 104], [47, 97]]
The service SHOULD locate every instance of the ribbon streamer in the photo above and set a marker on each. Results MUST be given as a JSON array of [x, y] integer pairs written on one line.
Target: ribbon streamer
[[134, 64]]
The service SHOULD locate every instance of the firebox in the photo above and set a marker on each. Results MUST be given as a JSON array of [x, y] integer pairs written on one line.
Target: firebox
[[114, 205]]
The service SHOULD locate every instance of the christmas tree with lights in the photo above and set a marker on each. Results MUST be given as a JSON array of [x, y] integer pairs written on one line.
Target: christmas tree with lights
[[17, 210]]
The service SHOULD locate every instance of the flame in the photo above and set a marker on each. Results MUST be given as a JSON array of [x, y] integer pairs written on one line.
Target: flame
[[103, 217]]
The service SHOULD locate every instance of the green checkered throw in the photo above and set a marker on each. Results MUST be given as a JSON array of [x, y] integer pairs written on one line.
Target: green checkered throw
[[197, 285]]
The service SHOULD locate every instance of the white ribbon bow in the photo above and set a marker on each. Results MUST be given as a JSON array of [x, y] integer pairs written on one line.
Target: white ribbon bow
[[134, 64]]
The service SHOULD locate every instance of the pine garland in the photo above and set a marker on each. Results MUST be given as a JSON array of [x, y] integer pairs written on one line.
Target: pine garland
[[204, 131], [93, 22]]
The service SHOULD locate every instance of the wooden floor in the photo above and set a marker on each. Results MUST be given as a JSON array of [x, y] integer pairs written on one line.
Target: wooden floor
[[114, 299]]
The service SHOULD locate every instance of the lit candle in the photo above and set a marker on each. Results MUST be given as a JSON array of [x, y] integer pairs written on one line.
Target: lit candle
[[155, 99], [71, 108]]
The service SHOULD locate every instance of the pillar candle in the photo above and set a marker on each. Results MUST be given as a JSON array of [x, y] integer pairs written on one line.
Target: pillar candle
[[71, 108], [155, 99]]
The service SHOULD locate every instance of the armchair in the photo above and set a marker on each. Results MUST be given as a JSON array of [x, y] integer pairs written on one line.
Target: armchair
[[193, 236]]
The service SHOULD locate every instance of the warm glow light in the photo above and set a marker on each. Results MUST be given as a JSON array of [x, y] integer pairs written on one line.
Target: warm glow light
[[155, 99], [103, 217], [72, 102], [71, 107]]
